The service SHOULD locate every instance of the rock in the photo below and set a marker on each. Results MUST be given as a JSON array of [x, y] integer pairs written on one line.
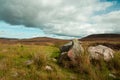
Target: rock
[[100, 51], [66, 47], [71, 50], [29, 62], [76, 49], [111, 75], [48, 68], [54, 60]]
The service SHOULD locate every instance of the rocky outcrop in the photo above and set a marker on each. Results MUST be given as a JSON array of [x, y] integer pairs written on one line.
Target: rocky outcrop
[[71, 51], [100, 51], [76, 50]]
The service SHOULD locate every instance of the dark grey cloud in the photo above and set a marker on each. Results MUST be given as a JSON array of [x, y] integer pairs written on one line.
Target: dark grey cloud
[[61, 17]]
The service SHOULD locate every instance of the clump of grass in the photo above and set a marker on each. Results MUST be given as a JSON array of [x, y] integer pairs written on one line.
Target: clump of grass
[[85, 68], [39, 59], [55, 54], [114, 64]]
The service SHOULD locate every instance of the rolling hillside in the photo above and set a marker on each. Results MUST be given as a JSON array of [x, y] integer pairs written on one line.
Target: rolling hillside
[[102, 37]]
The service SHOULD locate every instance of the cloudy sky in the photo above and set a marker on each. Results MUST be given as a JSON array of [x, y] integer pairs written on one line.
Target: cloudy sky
[[63, 19]]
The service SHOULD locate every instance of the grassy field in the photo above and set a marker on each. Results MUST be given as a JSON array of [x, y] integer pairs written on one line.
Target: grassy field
[[15, 58]]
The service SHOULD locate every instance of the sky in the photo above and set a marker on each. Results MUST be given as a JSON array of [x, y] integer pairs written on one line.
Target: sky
[[64, 19]]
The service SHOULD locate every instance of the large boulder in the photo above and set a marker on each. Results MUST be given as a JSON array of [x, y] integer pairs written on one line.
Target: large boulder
[[100, 51], [76, 50], [71, 50]]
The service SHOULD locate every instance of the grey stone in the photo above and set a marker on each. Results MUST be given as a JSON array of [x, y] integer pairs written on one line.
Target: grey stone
[[111, 75], [66, 47], [48, 68], [71, 50], [100, 51], [29, 62]]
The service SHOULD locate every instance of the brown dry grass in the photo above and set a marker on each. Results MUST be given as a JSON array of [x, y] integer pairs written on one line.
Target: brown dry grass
[[14, 56]]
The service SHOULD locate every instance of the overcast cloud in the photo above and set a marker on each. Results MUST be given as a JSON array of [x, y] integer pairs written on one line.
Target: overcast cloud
[[72, 18]]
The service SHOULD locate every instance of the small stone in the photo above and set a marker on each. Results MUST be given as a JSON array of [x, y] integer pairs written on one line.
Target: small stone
[[54, 60], [48, 68], [29, 62], [111, 75]]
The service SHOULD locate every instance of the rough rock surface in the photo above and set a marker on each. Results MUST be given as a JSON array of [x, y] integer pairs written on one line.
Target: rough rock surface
[[100, 51], [71, 50], [66, 47]]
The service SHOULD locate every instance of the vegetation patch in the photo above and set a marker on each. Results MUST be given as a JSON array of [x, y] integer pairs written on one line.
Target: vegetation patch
[[25, 62]]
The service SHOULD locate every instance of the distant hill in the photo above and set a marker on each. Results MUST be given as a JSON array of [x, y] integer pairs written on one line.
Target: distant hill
[[36, 41], [104, 37], [52, 41]]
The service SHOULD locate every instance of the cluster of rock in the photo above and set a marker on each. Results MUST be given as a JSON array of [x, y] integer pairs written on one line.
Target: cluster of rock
[[74, 49]]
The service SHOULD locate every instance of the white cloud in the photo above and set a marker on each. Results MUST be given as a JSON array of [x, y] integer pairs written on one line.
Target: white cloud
[[108, 22], [61, 17]]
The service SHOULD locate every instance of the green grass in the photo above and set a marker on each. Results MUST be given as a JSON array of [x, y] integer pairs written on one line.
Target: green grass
[[13, 65]]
